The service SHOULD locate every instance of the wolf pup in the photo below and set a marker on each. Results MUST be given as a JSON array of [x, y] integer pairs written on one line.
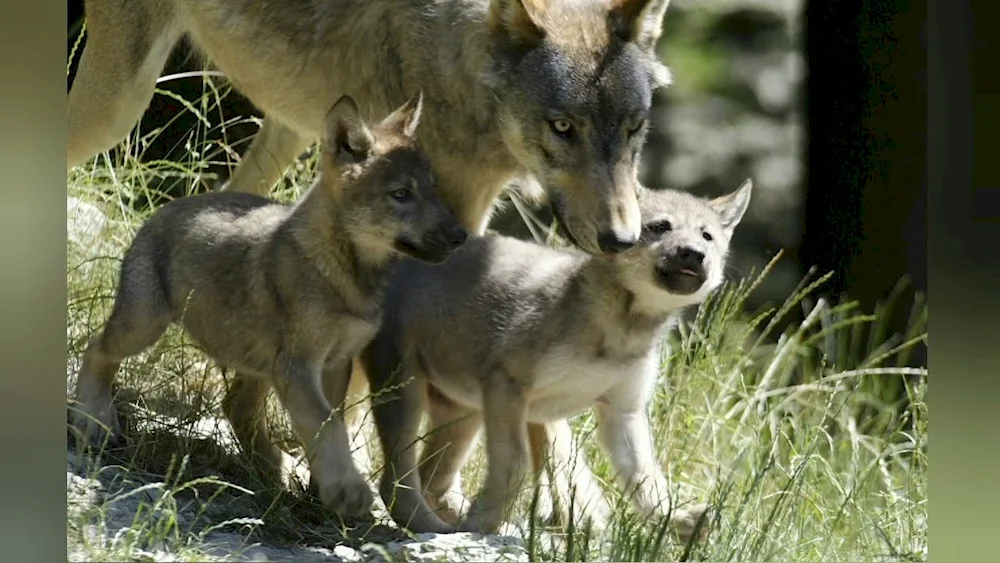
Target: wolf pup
[[283, 295], [508, 332]]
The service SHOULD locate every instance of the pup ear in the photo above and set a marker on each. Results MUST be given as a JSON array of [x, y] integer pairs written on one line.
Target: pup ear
[[518, 21], [731, 207], [638, 21], [406, 117], [347, 139]]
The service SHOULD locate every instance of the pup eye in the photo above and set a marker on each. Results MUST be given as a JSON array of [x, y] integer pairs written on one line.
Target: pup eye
[[401, 194], [659, 228], [346, 147], [561, 127], [707, 236]]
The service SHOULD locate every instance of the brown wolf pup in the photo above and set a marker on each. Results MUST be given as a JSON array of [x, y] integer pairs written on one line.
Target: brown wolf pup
[[283, 295], [507, 332]]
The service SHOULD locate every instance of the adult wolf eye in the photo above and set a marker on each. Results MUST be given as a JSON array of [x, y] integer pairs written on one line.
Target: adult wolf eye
[[561, 127], [401, 194], [659, 228], [636, 127]]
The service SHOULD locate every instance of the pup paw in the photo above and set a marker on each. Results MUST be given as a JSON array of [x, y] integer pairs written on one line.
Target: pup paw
[[652, 496], [481, 520], [597, 513], [686, 520], [449, 507], [590, 505]]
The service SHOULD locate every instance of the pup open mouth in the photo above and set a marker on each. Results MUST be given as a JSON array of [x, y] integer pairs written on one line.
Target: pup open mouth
[[682, 281]]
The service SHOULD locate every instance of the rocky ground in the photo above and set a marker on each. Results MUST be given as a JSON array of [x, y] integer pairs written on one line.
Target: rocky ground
[[120, 513], [128, 497]]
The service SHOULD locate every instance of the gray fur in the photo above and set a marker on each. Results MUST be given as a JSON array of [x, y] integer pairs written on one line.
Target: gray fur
[[283, 295], [496, 74], [512, 333]]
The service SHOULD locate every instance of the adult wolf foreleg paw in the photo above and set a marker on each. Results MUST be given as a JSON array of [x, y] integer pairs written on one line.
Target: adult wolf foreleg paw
[[95, 422]]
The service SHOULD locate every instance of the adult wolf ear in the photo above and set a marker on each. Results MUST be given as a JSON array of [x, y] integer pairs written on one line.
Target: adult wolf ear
[[347, 139], [406, 117], [640, 22], [731, 207], [518, 21]]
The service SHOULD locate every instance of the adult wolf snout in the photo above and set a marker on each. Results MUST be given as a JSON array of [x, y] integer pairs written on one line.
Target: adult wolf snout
[[599, 219], [614, 242]]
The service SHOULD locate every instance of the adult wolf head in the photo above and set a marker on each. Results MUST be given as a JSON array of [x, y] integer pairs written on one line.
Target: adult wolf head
[[574, 81]]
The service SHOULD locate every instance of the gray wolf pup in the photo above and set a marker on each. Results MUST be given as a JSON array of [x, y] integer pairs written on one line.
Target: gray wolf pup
[[508, 332], [550, 93], [283, 295]]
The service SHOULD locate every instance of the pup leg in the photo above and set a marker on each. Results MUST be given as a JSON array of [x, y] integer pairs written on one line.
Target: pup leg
[[139, 318], [321, 429], [127, 45], [337, 380], [539, 449], [356, 410], [398, 409], [243, 406], [572, 482], [626, 437], [452, 431], [273, 149], [507, 455]]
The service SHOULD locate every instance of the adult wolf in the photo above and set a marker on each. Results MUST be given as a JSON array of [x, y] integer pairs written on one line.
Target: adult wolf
[[554, 93]]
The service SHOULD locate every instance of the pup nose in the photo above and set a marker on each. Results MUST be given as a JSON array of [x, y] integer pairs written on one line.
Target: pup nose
[[611, 243], [456, 236], [691, 255]]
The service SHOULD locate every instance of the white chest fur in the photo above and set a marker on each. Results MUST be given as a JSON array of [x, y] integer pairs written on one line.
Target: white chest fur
[[567, 382]]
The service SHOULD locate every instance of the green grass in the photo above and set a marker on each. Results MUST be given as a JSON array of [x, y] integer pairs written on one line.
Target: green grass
[[809, 442]]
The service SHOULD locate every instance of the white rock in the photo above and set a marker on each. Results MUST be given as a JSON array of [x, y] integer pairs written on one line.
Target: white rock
[[455, 547], [84, 223]]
